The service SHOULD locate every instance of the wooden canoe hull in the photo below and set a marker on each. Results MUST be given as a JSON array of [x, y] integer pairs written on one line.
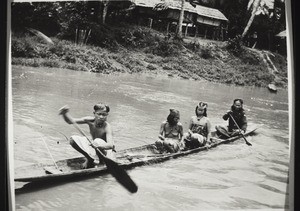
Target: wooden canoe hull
[[128, 158]]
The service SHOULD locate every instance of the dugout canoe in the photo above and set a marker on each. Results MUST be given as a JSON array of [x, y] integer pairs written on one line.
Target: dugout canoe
[[128, 158]]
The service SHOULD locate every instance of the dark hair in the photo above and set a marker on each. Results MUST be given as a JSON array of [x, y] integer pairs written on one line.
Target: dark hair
[[201, 104], [101, 106], [173, 113], [235, 100], [238, 99]]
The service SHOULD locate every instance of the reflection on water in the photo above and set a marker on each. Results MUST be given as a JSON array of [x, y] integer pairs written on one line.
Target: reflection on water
[[233, 176]]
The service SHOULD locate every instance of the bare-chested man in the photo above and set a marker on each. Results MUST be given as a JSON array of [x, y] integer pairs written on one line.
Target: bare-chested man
[[100, 131]]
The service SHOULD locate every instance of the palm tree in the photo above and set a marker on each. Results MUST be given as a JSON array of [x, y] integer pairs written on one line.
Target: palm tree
[[105, 8], [180, 21], [257, 7]]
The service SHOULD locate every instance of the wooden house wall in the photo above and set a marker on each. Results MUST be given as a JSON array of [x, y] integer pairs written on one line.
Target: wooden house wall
[[208, 21], [174, 15], [146, 11]]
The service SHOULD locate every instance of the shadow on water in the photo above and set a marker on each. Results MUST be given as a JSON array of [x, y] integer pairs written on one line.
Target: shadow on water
[[275, 190], [42, 185], [248, 203], [36, 186]]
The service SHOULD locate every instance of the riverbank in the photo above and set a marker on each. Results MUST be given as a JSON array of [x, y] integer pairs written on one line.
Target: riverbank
[[141, 50]]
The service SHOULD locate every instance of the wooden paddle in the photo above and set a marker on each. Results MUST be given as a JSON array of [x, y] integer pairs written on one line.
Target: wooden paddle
[[117, 171], [247, 142]]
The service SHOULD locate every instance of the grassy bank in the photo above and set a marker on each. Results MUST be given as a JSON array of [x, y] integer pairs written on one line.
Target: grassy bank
[[140, 50]]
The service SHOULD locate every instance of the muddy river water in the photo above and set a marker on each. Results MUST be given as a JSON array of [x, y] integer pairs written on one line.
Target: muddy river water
[[232, 176]]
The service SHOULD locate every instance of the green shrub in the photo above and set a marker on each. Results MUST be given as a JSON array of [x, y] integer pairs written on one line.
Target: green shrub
[[206, 53], [73, 67], [98, 65], [194, 46], [103, 36], [143, 37], [126, 38], [178, 67], [23, 47], [137, 69], [58, 49], [165, 48], [265, 76], [26, 62], [70, 58], [250, 58], [167, 67], [50, 63], [151, 67], [235, 45]]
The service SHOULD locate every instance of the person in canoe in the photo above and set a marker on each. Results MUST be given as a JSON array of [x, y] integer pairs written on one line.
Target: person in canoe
[[199, 129], [100, 131], [170, 133], [237, 121]]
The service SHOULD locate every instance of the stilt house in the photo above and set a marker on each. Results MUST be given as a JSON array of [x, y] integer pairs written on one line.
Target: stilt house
[[163, 15]]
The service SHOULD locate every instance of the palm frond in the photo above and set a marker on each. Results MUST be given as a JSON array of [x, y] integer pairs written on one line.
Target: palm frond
[[250, 4], [40, 35]]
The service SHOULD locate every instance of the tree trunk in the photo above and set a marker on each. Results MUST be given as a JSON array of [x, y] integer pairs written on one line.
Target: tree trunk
[[196, 30], [256, 3], [186, 30], [180, 21], [222, 33], [150, 23], [105, 7], [168, 27]]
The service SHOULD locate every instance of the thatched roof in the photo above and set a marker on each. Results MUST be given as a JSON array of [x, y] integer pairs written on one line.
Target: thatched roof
[[146, 3], [210, 12], [176, 5]]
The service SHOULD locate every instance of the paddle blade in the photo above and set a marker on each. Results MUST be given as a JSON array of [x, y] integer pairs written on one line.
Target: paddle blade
[[248, 143], [120, 174]]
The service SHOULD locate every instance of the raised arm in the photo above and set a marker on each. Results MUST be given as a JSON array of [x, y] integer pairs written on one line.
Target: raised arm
[[64, 112], [226, 116]]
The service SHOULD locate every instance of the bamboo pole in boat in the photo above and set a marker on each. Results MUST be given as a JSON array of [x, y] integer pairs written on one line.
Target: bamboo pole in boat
[[49, 152]]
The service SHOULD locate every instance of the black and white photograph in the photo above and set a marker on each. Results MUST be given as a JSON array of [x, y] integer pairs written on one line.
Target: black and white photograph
[[150, 105]]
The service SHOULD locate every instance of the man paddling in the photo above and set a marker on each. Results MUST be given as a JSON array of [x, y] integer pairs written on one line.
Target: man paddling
[[100, 131], [237, 121]]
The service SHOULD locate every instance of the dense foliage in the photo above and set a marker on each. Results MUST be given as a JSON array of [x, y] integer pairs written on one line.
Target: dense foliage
[[120, 46], [63, 18]]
